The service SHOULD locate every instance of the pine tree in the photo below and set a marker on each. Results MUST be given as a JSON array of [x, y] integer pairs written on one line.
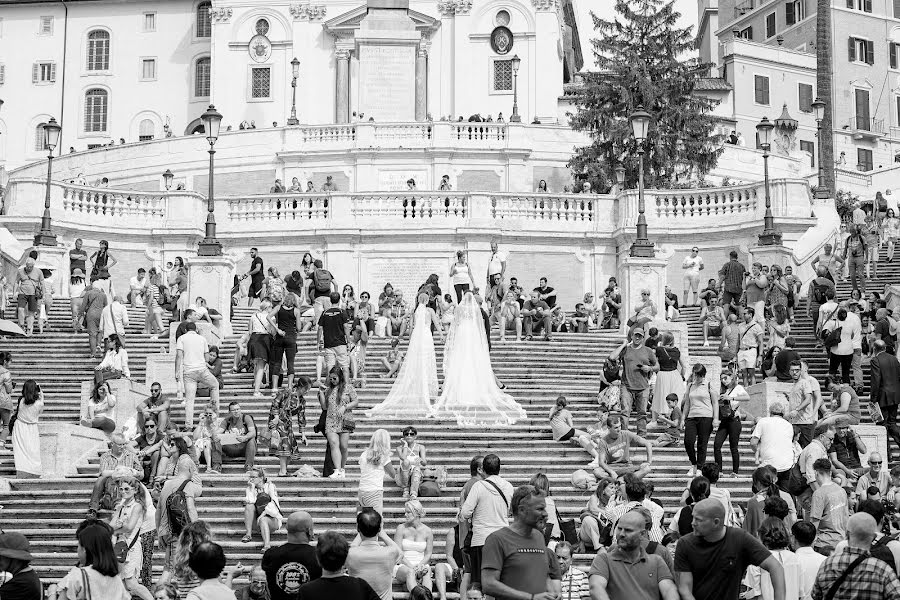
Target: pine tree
[[641, 59]]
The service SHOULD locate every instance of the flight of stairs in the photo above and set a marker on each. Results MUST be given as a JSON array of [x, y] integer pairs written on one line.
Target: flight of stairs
[[48, 510]]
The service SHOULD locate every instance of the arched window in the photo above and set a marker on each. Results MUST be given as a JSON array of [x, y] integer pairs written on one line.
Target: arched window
[[98, 50], [146, 130], [204, 23], [201, 77], [96, 109], [40, 138]]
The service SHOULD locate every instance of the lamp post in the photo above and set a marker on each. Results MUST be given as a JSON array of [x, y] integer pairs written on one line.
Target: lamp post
[[295, 69], [46, 237], [516, 61], [818, 106], [769, 236], [640, 124], [167, 179], [209, 245]]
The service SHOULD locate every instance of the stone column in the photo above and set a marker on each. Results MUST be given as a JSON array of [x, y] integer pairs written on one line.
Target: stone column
[[421, 83], [637, 273], [342, 88], [212, 278]]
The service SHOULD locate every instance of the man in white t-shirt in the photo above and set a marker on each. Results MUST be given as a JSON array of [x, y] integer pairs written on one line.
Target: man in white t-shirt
[[692, 266], [772, 441], [496, 264], [191, 367], [136, 288]]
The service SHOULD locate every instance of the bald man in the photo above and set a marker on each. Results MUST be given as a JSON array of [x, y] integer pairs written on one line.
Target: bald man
[[712, 560], [627, 572], [289, 566], [869, 577]]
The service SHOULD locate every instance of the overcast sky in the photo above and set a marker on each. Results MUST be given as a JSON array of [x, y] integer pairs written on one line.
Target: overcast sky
[[605, 9]]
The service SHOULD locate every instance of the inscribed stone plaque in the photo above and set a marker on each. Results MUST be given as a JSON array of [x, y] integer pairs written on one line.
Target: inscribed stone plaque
[[875, 439], [395, 181], [387, 82], [406, 275]]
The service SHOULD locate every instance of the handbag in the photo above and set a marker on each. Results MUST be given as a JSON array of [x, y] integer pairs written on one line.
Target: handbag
[[262, 500], [121, 549], [833, 338], [349, 423]]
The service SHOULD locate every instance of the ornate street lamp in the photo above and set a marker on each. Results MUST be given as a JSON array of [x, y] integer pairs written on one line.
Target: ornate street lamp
[[640, 124], [769, 236], [818, 106], [516, 61], [167, 179], [209, 245], [46, 237], [295, 69]]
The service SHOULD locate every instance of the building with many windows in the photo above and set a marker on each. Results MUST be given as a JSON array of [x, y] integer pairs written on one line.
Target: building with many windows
[[765, 50], [110, 70]]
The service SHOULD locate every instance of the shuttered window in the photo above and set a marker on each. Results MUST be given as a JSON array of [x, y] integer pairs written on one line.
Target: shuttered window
[[761, 89]]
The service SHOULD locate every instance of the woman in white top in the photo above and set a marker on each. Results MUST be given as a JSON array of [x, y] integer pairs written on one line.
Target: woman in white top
[[461, 276], [127, 521], [115, 362], [98, 576], [99, 409], [842, 354], [26, 438], [416, 541], [542, 483], [775, 537], [561, 423], [644, 311], [261, 505], [374, 462]]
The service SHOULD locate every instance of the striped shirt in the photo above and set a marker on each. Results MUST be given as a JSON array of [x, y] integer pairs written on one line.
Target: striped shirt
[[575, 585]]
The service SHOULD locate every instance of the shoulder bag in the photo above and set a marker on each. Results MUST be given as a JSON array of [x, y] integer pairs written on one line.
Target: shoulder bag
[[112, 318], [85, 584], [121, 549], [497, 487]]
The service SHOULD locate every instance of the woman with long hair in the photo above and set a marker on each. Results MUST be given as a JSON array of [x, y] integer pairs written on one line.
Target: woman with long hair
[[179, 572], [542, 187], [115, 362], [259, 347], [261, 506], [700, 410], [416, 540], [562, 424], [99, 409], [730, 398], [779, 327], [284, 319], [7, 404], [178, 288], [776, 538], [670, 379], [891, 228], [374, 462], [97, 573], [128, 517], [595, 515], [778, 288], [102, 261], [76, 289], [306, 263], [542, 483], [176, 455], [153, 298], [764, 484], [26, 437], [338, 399]]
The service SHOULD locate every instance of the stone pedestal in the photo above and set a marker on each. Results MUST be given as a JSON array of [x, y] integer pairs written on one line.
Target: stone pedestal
[[56, 260], [763, 395], [772, 255], [66, 446], [212, 335], [212, 277], [128, 392], [713, 366], [875, 439], [161, 370], [637, 273]]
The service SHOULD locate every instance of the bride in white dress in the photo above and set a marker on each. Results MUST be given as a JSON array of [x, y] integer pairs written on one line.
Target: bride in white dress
[[417, 383], [471, 394]]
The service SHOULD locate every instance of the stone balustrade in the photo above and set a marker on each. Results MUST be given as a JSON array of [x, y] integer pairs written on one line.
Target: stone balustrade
[[114, 203], [327, 134], [277, 207], [421, 206], [569, 208]]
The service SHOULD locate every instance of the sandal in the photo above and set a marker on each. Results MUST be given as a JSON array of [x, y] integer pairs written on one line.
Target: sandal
[[246, 539]]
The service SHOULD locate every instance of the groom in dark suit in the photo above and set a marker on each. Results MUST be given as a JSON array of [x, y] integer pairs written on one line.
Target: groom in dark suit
[[885, 387]]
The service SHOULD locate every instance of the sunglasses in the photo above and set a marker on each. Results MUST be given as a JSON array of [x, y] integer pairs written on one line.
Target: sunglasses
[[149, 426], [874, 462]]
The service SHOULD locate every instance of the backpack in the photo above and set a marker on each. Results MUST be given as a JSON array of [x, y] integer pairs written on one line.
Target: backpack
[[177, 510], [322, 278], [796, 483], [881, 551], [819, 293]]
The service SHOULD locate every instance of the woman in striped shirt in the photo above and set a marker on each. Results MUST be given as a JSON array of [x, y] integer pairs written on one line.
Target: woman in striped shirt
[[153, 322]]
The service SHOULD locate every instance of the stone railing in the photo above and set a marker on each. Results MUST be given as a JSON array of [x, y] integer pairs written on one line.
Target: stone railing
[[421, 206], [278, 207], [327, 134], [106, 202], [478, 132], [402, 133], [570, 208], [704, 203]]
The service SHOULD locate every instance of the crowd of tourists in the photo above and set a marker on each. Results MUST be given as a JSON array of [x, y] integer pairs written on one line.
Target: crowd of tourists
[[820, 523]]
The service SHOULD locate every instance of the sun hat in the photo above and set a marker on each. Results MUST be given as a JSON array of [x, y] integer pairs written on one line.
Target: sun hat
[[15, 545]]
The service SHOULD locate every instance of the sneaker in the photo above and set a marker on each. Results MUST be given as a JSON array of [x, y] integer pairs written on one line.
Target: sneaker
[[406, 494], [691, 472], [336, 474]]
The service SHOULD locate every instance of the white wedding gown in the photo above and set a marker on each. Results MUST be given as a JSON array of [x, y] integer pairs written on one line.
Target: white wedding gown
[[470, 393], [417, 383]]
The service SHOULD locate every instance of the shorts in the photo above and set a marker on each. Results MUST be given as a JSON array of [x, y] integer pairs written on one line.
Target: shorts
[[260, 347], [29, 301], [730, 297], [714, 329], [746, 359], [317, 294], [338, 355], [691, 281], [255, 288], [623, 468], [567, 436]]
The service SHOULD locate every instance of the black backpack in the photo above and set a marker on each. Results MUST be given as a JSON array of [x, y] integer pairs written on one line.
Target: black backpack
[[819, 293], [177, 509], [322, 278], [881, 551]]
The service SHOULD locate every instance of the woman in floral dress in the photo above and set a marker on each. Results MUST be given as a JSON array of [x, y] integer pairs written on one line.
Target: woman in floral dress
[[288, 405], [338, 399]]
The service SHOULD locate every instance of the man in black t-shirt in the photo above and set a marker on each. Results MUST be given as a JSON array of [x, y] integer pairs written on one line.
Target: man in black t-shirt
[[294, 283], [712, 560], [783, 360], [332, 550], [883, 330], [290, 566], [332, 337], [546, 293], [77, 257], [256, 274]]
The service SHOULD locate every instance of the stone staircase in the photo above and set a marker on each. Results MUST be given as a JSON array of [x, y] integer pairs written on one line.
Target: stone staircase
[[48, 510]]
